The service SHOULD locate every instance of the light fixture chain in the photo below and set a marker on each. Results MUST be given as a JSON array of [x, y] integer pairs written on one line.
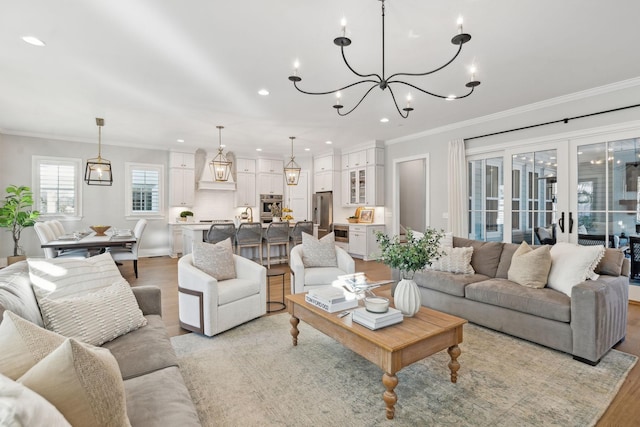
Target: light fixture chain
[[383, 75]]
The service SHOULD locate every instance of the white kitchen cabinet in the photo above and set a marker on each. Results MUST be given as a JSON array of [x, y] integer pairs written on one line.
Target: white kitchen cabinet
[[182, 160], [270, 166], [374, 189], [362, 241], [375, 156], [245, 189], [245, 165], [176, 240], [358, 159], [323, 164], [181, 187], [323, 181], [270, 183]]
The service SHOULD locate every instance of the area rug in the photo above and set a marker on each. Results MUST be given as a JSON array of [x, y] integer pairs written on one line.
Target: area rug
[[253, 376]]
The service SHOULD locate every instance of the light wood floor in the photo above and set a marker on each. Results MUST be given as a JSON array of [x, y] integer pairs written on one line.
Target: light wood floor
[[163, 272]]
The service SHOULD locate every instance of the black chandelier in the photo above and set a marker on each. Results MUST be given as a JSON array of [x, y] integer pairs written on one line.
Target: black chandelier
[[384, 82]]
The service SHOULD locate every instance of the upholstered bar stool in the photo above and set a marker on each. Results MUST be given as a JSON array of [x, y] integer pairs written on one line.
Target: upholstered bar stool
[[219, 232], [298, 229], [249, 235], [277, 234]]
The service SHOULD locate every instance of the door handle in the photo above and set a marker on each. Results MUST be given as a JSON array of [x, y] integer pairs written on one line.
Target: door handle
[[561, 222], [570, 222]]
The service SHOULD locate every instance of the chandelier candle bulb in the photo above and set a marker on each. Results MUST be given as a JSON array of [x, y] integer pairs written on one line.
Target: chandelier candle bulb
[[343, 23], [459, 22]]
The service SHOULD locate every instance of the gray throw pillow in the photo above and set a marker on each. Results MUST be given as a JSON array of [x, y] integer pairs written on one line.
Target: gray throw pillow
[[530, 267], [611, 262], [215, 259], [319, 253]]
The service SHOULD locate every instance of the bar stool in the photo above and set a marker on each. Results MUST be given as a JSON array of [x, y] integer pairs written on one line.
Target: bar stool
[[298, 229], [219, 232], [277, 234], [249, 235]]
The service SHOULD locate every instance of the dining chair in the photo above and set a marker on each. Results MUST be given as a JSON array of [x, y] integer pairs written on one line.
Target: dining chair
[[130, 253], [57, 227], [46, 234], [249, 235], [297, 230], [277, 234], [219, 232]]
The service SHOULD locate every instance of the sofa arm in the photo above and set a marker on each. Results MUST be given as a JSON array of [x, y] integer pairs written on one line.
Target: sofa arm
[[598, 316], [149, 299], [345, 262], [297, 270]]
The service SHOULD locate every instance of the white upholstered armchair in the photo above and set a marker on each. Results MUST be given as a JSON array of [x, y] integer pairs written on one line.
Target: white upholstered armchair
[[303, 279], [209, 306]]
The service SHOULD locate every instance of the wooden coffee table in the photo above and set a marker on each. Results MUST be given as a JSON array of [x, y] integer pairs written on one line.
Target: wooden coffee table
[[391, 348]]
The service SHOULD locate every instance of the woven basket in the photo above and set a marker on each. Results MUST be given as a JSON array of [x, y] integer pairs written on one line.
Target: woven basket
[[352, 220]]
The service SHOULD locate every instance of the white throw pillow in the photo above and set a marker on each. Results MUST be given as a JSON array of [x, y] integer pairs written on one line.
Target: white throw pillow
[[55, 278], [23, 344], [572, 264], [20, 406], [456, 260], [215, 259], [319, 253], [83, 383], [96, 317]]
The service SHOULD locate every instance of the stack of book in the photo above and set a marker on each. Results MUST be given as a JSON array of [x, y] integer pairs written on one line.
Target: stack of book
[[331, 299], [377, 320]]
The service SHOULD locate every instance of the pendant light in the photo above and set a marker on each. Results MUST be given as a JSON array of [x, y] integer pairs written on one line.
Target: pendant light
[[98, 169], [292, 170], [220, 166]]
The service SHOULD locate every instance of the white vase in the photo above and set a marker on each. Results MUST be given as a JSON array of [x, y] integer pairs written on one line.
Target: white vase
[[407, 297]]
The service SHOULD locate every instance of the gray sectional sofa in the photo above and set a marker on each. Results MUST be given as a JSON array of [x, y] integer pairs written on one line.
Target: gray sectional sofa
[[586, 325], [155, 390]]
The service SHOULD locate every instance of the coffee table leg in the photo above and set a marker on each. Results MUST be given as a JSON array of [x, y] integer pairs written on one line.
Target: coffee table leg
[[294, 329], [390, 398], [454, 365]]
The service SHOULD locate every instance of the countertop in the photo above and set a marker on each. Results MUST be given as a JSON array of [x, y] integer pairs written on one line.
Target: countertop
[[365, 224]]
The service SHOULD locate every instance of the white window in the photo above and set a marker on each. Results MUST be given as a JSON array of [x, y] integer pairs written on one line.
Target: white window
[[57, 186], [144, 190]]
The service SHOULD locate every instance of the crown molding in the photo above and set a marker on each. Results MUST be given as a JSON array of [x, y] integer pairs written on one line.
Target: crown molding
[[576, 96]]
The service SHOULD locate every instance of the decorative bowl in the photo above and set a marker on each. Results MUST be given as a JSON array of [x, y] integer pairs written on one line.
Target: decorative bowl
[[352, 220], [376, 304], [100, 229]]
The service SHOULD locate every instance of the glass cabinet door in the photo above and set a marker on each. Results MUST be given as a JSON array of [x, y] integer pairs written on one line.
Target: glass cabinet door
[[353, 187], [362, 185]]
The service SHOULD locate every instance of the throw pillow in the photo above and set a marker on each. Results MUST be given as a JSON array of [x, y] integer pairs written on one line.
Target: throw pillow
[[20, 406], [54, 278], [96, 317], [456, 260], [319, 253], [215, 259], [23, 345], [572, 264], [530, 267], [83, 383], [611, 262]]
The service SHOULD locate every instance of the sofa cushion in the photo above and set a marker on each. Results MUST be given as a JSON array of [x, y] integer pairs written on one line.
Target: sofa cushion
[[449, 283], [215, 259], [530, 267], [546, 303], [16, 293], [508, 249], [87, 387], [319, 253], [486, 255], [144, 350], [454, 260], [20, 406], [321, 275], [572, 264], [236, 289], [161, 399], [23, 345], [95, 317], [611, 262]]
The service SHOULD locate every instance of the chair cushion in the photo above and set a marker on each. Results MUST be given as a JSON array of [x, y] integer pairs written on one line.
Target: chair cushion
[[319, 253], [215, 259], [236, 289], [321, 275], [572, 264], [449, 283], [87, 387], [530, 267]]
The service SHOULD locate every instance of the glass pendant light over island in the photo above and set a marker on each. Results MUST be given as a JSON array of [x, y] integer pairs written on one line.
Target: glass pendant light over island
[[292, 169], [220, 166]]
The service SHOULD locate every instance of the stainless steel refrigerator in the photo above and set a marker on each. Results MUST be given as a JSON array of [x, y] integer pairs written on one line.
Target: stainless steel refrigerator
[[323, 212]]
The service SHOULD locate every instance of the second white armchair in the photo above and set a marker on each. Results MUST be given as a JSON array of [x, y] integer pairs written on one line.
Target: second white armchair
[[305, 278]]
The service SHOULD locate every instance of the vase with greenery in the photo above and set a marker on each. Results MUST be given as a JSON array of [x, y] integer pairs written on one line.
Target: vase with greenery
[[184, 215], [15, 214], [408, 256]]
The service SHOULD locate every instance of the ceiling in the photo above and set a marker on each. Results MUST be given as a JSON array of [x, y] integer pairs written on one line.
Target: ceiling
[[159, 70]]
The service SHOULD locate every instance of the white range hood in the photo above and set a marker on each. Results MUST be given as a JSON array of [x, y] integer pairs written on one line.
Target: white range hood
[[207, 182]]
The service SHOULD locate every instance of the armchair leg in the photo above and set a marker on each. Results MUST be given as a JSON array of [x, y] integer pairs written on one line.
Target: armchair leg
[[135, 267]]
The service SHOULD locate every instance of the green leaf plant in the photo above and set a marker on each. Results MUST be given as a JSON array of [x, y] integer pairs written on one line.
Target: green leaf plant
[[411, 255], [15, 215]]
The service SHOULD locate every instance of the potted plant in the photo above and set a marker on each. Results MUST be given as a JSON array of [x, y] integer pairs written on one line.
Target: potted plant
[[408, 257], [185, 214], [15, 215]]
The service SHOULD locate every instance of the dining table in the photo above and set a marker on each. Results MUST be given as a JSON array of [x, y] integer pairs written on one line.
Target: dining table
[[90, 241]]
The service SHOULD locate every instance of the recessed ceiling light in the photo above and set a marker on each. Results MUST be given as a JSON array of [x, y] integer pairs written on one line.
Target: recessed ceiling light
[[384, 120], [258, 149], [180, 140], [263, 92], [34, 41], [329, 142]]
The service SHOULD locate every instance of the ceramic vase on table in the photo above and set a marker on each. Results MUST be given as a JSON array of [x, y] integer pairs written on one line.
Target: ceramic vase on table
[[407, 297]]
